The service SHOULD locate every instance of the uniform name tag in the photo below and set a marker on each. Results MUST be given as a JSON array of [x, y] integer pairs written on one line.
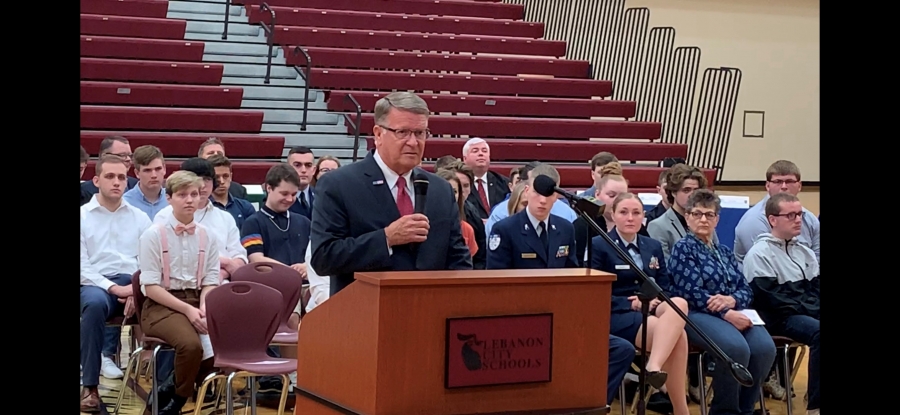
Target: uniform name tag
[[529, 255], [625, 266]]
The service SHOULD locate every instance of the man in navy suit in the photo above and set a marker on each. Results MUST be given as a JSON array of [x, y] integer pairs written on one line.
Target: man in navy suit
[[365, 217], [304, 163]]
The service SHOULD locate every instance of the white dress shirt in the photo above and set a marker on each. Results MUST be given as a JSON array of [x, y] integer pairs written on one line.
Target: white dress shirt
[[184, 257], [220, 225], [110, 241], [319, 286], [536, 223], [390, 179]]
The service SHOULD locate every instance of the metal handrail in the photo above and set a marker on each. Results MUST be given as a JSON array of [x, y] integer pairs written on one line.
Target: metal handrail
[[270, 34], [356, 124], [227, 16], [297, 51]]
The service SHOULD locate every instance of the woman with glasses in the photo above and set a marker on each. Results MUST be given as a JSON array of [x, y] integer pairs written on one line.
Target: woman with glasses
[[707, 275], [324, 165]]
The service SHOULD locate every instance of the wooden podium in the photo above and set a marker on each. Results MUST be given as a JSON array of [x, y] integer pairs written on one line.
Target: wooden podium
[[383, 344]]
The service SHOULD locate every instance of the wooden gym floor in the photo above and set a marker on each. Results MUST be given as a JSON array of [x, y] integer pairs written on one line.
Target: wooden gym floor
[[133, 403]]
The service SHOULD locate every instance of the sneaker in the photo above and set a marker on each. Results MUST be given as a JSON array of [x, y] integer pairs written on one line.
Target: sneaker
[[773, 387], [293, 377], [110, 369]]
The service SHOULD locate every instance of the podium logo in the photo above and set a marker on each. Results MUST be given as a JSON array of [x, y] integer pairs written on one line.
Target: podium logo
[[471, 357], [500, 354]]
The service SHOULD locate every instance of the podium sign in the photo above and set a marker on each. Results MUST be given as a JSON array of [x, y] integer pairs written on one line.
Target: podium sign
[[498, 350]]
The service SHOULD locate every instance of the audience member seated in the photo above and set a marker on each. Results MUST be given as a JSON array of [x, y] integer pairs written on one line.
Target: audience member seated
[[490, 188], [663, 205], [176, 275], [215, 146], [150, 168], [119, 147], [667, 341], [514, 178], [781, 177], [535, 238], [468, 232], [110, 230], [784, 275], [599, 160], [517, 201], [472, 217], [560, 207], [85, 195], [325, 164], [610, 185], [707, 275], [239, 209], [302, 160], [669, 228]]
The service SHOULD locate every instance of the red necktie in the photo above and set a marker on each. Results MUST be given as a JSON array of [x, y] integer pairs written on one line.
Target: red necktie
[[483, 195], [180, 229], [404, 203]]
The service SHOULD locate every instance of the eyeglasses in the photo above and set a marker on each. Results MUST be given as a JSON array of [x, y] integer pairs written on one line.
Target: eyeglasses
[[709, 215], [781, 182], [404, 133], [122, 155], [791, 215]]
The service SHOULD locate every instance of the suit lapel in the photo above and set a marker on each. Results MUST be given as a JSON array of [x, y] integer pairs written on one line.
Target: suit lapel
[[378, 186], [673, 217], [530, 236], [553, 239], [645, 255]]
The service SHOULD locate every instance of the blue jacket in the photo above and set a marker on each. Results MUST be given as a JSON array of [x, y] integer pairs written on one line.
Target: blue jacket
[[605, 258], [514, 244]]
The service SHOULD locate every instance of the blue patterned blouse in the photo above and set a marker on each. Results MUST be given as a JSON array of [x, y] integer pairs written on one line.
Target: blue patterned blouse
[[698, 271]]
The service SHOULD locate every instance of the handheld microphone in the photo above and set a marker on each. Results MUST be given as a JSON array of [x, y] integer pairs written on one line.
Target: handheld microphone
[[545, 186], [420, 188]]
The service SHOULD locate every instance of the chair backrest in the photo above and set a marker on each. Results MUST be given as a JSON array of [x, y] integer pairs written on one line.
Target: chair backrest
[[280, 277], [138, 294], [242, 318]]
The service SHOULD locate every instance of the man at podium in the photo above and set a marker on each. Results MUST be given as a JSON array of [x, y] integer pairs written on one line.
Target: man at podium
[[533, 239], [372, 215]]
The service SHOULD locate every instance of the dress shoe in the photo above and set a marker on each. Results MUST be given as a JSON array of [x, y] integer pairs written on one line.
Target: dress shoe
[[174, 406], [166, 390], [90, 400], [657, 379]]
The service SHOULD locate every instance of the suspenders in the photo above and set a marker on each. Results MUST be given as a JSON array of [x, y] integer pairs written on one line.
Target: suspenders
[[167, 263]]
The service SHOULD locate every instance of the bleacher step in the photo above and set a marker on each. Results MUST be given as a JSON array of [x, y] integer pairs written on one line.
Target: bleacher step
[[227, 48], [283, 105], [254, 60], [277, 93], [256, 71], [254, 39], [295, 129], [320, 141], [288, 83], [206, 17], [295, 116], [241, 29], [204, 7]]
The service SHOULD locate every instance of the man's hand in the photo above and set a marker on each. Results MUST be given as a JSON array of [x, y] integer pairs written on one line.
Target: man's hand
[[301, 268], [719, 302], [121, 291], [230, 265], [196, 317], [407, 229], [738, 320]]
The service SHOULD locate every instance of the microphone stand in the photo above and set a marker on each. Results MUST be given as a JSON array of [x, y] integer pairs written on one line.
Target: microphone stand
[[650, 290]]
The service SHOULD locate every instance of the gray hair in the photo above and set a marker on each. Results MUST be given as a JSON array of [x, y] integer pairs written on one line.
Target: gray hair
[[543, 169], [404, 101], [703, 198], [472, 142]]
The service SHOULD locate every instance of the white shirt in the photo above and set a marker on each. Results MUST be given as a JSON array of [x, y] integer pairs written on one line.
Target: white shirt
[[483, 181], [390, 179], [220, 225], [110, 241], [319, 286], [534, 222], [184, 257]]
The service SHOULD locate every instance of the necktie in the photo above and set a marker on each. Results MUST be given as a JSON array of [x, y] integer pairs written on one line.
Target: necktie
[[404, 203], [303, 200], [482, 194], [180, 229], [543, 237]]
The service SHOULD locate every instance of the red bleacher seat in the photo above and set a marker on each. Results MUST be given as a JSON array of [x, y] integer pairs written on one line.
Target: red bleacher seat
[[186, 145], [134, 8], [473, 84], [372, 39], [556, 150], [123, 93], [244, 172], [170, 119], [476, 64], [531, 127], [192, 73], [425, 7], [145, 27], [496, 105], [136, 48], [578, 175], [346, 19]]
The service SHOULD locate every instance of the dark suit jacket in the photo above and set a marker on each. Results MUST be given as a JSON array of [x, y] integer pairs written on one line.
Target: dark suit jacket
[[498, 188], [628, 283], [479, 261], [583, 232], [236, 190], [514, 244], [354, 205], [298, 208]]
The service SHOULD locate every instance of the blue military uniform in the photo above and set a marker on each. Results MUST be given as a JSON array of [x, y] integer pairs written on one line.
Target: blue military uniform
[[514, 243]]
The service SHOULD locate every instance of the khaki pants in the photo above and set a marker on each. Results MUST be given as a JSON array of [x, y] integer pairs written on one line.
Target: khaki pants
[[174, 328]]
